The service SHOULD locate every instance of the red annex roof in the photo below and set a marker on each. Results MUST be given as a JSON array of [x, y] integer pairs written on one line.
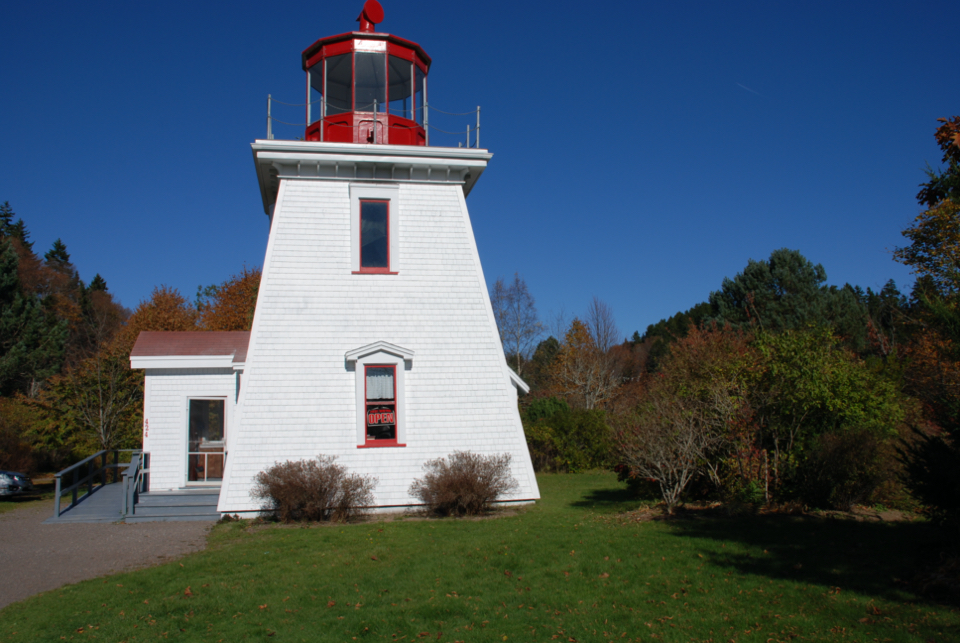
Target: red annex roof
[[182, 343]]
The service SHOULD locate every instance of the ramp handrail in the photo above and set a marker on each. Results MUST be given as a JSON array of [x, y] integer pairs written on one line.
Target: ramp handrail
[[136, 480], [89, 479]]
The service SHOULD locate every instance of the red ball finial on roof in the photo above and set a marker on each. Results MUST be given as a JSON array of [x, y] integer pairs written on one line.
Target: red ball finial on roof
[[372, 14]]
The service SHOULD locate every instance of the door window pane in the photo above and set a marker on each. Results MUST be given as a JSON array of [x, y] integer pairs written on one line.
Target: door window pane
[[206, 422]]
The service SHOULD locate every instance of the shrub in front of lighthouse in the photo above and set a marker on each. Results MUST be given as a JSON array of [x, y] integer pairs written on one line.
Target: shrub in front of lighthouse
[[313, 490], [464, 483]]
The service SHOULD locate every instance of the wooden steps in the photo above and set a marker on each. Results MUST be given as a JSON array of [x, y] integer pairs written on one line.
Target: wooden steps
[[191, 503]]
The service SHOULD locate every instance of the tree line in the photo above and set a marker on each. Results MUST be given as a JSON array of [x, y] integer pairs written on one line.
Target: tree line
[[66, 386], [778, 388]]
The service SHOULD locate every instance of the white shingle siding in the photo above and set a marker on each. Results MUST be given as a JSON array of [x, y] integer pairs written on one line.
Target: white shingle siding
[[168, 392], [299, 394]]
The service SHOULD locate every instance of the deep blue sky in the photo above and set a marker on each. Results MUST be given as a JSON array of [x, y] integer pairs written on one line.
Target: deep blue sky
[[642, 151]]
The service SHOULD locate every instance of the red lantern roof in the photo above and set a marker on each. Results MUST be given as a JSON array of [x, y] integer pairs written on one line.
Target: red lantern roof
[[366, 87]]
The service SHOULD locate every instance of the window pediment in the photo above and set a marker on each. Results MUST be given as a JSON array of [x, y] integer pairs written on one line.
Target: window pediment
[[379, 347]]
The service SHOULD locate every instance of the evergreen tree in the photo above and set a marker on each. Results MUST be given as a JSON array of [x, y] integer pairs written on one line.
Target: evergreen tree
[[540, 367], [659, 336], [19, 232], [781, 293], [31, 345], [57, 257], [97, 284], [6, 219], [788, 292]]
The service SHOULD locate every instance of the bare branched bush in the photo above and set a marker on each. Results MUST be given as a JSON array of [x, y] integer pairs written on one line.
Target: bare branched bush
[[517, 320], [667, 444], [688, 419], [464, 483], [313, 490]]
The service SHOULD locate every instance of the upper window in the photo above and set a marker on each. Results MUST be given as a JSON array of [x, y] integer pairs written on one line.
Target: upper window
[[374, 236], [374, 210]]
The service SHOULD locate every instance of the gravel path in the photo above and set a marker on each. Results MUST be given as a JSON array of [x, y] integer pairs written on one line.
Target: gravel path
[[36, 558]]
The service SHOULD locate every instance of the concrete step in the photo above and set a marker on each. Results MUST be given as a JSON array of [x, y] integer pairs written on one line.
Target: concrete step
[[177, 510], [138, 518], [67, 518]]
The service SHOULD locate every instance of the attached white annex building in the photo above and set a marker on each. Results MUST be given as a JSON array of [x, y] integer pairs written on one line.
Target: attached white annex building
[[373, 339]]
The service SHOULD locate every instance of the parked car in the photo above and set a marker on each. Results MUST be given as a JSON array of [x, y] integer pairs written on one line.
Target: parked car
[[13, 483]]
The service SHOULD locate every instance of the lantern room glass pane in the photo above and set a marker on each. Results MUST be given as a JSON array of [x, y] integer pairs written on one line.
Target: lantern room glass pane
[[371, 81], [373, 234], [338, 83], [401, 87], [315, 108], [418, 96]]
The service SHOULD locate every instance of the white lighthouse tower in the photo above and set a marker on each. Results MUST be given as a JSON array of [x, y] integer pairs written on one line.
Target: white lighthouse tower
[[373, 339]]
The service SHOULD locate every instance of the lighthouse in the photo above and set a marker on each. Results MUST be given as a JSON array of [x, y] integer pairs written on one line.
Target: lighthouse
[[373, 338]]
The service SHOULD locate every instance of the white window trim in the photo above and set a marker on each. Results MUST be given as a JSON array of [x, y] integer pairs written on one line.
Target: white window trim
[[365, 191], [380, 354]]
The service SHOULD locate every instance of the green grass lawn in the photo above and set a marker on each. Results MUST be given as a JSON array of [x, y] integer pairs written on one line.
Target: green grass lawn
[[564, 570]]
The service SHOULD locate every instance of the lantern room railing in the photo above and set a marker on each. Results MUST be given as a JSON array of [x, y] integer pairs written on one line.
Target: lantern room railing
[[469, 135]]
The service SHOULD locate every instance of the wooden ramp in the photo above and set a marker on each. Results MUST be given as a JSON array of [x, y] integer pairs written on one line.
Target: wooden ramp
[[103, 505], [106, 503]]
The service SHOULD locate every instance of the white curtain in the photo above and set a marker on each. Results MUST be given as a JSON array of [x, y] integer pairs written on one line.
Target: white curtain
[[379, 383]]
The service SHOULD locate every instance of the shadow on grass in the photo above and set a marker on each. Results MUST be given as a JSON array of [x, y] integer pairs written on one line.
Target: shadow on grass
[[608, 500], [873, 558]]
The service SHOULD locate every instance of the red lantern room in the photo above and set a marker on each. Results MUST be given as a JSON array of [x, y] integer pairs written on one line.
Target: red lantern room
[[366, 87]]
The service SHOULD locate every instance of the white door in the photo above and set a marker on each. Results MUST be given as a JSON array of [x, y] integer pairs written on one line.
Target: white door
[[205, 441]]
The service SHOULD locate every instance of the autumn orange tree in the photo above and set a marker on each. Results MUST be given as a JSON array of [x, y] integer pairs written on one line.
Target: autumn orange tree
[[230, 306], [98, 404], [582, 372], [693, 418], [933, 355]]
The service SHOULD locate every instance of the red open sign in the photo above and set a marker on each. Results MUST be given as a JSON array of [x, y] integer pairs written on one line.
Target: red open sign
[[381, 417]]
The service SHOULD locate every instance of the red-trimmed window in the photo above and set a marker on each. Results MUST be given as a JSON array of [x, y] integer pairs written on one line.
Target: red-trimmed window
[[380, 405], [374, 235]]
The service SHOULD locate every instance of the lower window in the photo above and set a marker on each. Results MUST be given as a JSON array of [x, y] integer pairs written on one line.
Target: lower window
[[381, 404]]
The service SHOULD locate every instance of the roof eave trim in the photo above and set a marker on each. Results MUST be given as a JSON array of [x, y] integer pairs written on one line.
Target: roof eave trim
[[519, 383], [181, 361]]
